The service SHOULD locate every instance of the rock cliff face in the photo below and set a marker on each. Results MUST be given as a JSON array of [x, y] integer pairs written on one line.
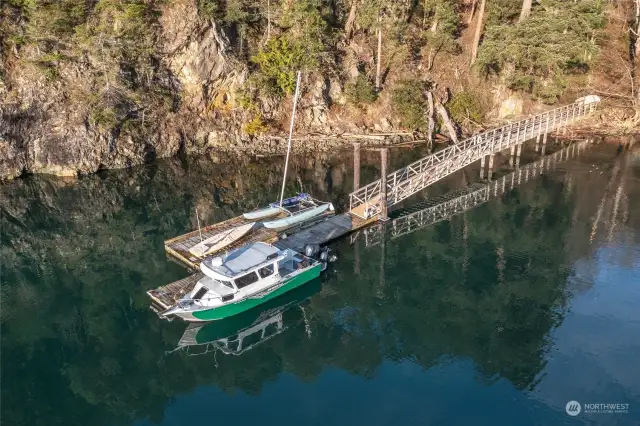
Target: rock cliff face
[[86, 86], [45, 125]]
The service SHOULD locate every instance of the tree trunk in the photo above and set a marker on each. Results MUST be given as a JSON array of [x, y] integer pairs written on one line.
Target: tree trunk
[[434, 26], [268, 19], [348, 28], [424, 14], [526, 10], [442, 111], [634, 52], [476, 37], [473, 10], [430, 118], [378, 64], [637, 30]]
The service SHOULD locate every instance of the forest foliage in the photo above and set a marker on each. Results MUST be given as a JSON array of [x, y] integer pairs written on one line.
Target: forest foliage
[[119, 41]]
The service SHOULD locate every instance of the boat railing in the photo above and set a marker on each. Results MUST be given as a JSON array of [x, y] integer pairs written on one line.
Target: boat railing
[[304, 203], [185, 303]]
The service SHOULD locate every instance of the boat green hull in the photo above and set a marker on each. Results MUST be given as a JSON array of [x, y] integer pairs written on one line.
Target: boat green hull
[[236, 308], [225, 328]]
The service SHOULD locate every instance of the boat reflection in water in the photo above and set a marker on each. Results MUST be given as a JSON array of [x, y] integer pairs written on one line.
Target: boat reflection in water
[[242, 332]]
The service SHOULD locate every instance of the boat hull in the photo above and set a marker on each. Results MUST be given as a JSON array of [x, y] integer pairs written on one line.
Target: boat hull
[[232, 309], [297, 219], [211, 331], [262, 213]]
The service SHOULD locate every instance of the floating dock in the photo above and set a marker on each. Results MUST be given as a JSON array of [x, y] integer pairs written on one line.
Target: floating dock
[[323, 232], [166, 296], [320, 232], [179, 247]]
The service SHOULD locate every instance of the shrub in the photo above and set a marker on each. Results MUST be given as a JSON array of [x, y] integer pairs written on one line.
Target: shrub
[[549, 90], [409, 102], [255, 126], [207, 8], [464, 106], [552, 43], [362, 91], [103, 117], [278, 63]]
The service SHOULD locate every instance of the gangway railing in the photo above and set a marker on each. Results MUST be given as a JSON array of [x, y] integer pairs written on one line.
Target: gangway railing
[[471, 198], [366, 201]]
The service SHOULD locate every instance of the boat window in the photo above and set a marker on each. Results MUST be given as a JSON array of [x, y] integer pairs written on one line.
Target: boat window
[[246, 280], [226, 283], [200, 293], [266, 271]]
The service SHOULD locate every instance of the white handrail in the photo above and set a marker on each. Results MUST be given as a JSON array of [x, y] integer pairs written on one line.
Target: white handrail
[[419, 174]]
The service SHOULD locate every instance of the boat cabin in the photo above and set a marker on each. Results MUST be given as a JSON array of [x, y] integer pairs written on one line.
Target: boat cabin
[[244, 272]]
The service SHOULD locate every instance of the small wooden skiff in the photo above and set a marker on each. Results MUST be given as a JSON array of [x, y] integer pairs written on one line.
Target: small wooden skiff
[[221, 240]]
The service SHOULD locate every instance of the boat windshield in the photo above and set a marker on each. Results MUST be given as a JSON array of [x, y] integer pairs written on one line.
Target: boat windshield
[[226, 283]]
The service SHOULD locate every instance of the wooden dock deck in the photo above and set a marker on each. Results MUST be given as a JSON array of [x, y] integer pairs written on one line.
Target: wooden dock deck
[[321, 232], [179, 246], [166, 296]]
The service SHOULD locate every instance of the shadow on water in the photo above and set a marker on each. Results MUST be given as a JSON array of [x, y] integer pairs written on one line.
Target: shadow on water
[[488, 285]]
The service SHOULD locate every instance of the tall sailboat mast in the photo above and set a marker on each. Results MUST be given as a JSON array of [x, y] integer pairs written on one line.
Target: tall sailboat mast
[[293, 117]]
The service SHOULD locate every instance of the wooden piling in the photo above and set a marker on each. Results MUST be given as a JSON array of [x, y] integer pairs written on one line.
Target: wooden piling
[[383, 184], [538, 143], [482, 160], [490, 172], [383, 255], [356, 166], [544, 142], [513, 154], [356, 257]]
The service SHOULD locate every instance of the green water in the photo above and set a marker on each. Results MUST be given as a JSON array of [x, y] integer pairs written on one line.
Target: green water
[[499, 315]]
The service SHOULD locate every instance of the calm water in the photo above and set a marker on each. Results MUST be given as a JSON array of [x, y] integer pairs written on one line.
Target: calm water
[[499, 315]]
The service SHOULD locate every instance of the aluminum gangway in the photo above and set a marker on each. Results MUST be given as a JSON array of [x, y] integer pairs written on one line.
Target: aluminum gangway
[[471, 197], [366, 201]]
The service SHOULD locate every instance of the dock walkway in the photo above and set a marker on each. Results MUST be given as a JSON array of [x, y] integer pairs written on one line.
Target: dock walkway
[[323, 232]]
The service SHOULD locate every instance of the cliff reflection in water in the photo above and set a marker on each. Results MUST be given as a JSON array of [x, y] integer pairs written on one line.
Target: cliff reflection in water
[[488, 286]]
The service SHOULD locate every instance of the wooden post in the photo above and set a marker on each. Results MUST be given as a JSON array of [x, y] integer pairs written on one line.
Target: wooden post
[[378, 63], [513, 154], [383, 184], [482, 167], [383, 255], [490, 166], [544, 142], [356, 166], [198, 220], [538, 142], [356, 251], [518, 152]]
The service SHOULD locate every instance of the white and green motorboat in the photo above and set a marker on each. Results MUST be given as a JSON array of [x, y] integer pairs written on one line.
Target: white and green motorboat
[[242, 279]]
